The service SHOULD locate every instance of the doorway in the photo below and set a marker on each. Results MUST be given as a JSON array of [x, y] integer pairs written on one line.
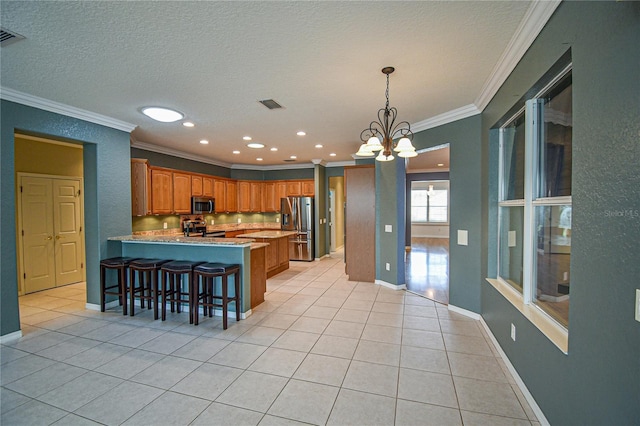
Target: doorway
[[49, 213], [428, 212]]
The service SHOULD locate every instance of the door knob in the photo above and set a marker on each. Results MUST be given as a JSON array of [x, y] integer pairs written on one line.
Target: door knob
[[49, 238], [58, 237]]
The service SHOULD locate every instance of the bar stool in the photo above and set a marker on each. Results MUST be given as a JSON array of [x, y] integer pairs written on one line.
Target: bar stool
[[147, 288], [120, 264], [172, 273], [204, 296]]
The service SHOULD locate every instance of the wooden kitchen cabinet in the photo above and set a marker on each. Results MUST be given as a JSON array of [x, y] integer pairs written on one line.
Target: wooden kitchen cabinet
[[220, 194], [294, 188], [140, 187], [308, 188], [207, 186], [181, 193], [281, 192], [231, 188], [283, 252], [255, 192], [258, 276], [244, 196], [161, 191], [270, 202], [196, 185]]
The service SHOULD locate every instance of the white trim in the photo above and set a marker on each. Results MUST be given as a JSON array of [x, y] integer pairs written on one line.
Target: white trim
[[391, 286], [446, 118], [464, 312], [274, 167], [521, 385], [530, 26], [69, 111], [8, 338]]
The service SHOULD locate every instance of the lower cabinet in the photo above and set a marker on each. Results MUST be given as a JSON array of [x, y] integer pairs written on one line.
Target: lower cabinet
[[277, 254], [258, 276]]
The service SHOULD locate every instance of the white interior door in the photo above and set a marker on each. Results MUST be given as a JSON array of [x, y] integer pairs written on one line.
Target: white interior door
[[51, 230], [68, 229], [39, 271]]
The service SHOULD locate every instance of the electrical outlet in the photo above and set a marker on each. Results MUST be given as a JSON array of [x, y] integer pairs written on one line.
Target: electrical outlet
[[387, 266], [277, 219], [212, 221], [513, 332], [565, 276], [388, 228], [239, 220], [164, 225], [638, 304]]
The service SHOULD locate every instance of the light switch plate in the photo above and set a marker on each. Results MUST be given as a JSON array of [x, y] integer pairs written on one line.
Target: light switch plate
[[512, 238], [463, 237], [388, 228], [239, 220], [164, 225], [638, 304]]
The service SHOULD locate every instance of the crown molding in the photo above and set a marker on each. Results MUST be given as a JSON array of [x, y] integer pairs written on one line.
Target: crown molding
[[59, 108], [340, 164], [446, 117], [274, 167], [532, 23], [174, 152]]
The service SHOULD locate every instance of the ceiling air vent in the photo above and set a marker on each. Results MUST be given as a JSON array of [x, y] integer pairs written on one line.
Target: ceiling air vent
[[289, 160], [271, 104], [8, 37]]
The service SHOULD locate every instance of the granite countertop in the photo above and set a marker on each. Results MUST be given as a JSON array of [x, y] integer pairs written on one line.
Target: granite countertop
[[182, 240], [258, 245], [267, 234]]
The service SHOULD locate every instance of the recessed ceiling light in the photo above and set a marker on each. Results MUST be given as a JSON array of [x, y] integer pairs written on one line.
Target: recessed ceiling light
[[246, 138], [255, 145], [188, 124], [204, 142], [236, 152], [440, 164], [319, 146], [301, 133], [333, 154], [293, 157], [164, 115], [259, 159], [274, 149]]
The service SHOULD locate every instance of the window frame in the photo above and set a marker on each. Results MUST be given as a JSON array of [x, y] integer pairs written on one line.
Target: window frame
[[428, 222]]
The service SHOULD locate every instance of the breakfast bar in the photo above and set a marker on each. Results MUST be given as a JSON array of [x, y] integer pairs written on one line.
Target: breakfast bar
[[204, 249]]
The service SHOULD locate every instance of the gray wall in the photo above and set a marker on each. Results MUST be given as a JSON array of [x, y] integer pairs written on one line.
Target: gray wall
[[466, 268], [597, 382], [172, 162], [107, 194], [321, 212]]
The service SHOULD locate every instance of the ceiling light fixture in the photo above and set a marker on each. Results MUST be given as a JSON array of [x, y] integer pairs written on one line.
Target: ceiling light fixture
[[188, 124], [246, 138], [164, 115], [204, 142], [293, 157], [333, 154], [236, 152], [385, 128], [259, 159], [440, 164], [318, 146], [274, 149], [255, 145], [301, 133]]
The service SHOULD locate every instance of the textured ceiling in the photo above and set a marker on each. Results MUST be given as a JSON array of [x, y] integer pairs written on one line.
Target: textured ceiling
[[214, 60]]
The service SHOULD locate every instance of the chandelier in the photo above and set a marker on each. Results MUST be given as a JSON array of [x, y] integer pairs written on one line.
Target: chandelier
[[380, 134]]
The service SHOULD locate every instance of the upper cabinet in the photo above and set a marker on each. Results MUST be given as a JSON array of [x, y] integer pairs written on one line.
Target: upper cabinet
[[220, 195], [308, 188], [140, 187], [207, 186], [256, 204], [294, 188], [232, 196], [181, 193], [244, 196], [196, 185], [270, 200], [161, 191]]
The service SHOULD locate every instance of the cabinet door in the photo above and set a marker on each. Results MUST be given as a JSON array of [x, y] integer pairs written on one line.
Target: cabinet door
[[283, 251], [256, 197], [207, 186], [244, 196], [181, 193], [232, 196], [272, 253], [161, 191], [270, 201], [196, 185], [308, 188], [140, 187], [294, 188], [220, 195], [281, 192]]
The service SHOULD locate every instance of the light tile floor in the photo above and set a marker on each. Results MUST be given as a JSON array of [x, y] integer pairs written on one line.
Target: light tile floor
[[319, 350]]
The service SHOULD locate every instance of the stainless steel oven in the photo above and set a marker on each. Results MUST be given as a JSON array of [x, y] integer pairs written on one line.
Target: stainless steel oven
[[202, 205]]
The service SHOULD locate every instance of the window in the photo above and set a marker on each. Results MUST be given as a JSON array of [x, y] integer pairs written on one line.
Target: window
[[430, 202], [534, 208]]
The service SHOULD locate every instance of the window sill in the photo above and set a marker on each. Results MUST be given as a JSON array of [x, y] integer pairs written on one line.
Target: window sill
[[558, 335]]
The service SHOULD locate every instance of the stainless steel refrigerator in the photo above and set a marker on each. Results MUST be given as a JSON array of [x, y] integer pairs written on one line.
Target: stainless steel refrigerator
[[297, 215]]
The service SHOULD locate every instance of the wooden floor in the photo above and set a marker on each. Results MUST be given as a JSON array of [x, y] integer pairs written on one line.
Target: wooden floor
[[427, 268]]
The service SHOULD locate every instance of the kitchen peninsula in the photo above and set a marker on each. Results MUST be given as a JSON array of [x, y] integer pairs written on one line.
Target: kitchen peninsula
[[277, 256], [206, 249]]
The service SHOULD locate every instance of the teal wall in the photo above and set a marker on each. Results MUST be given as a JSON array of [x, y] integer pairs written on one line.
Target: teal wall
[[172, 162], [321, 202], [467, 271], [596, 383], [107, 194]]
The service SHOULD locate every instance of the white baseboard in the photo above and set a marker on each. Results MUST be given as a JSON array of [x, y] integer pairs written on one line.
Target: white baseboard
[[523, 388], [8, 338], [464, 312], [391, 286]]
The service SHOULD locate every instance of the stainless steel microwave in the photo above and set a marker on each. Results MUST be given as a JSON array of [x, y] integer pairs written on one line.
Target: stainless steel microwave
[[202, 205]]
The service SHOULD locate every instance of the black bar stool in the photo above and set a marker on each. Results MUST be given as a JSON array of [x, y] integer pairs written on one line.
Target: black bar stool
[[120, 264], [147, 288], [172, 273], [205, 296]]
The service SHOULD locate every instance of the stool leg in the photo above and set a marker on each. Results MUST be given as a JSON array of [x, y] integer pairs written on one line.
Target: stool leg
[[163, 296], [190, 290], [132, 290], [211, 291], [237, 294], [123, 288], [225, 301], [102, 287], [196, 299], [154, 292]]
